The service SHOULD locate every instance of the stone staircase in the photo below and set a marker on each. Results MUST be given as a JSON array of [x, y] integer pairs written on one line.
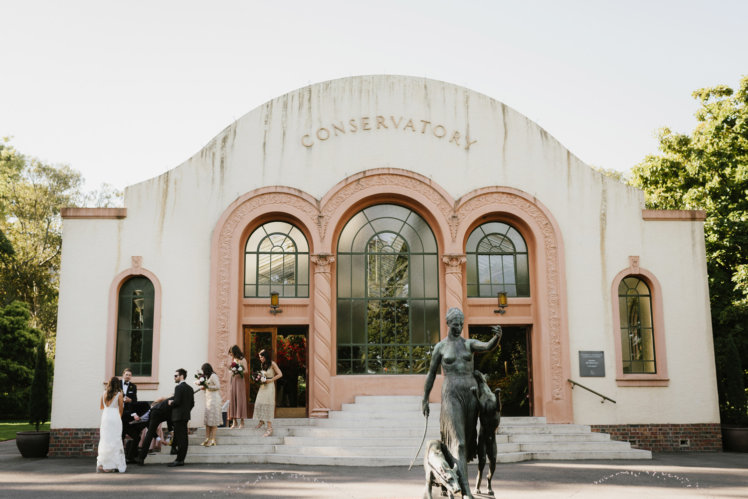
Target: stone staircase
[[386, 431]]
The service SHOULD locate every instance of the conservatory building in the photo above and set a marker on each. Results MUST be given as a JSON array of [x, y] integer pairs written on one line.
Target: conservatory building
[[338, 223]]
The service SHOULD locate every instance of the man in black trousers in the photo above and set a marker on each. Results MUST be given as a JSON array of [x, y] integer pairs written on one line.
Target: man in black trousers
[[160, 412], [181, 405]]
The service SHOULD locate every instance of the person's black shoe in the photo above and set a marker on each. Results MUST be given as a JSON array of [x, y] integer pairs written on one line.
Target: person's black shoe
[[139, 461], [176, 463], [131, 461]]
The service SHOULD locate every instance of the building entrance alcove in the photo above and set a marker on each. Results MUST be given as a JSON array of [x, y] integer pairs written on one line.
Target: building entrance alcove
[[508, 367], [290, 352]]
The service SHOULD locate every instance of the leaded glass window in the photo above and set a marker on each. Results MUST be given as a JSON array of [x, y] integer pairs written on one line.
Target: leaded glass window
[[135, 326], [276, 258], [497, 261], [637, 330], [388, 292]]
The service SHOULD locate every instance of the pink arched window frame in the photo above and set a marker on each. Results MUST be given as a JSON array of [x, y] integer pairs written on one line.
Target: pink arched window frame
[[143, 382], [660, 378]]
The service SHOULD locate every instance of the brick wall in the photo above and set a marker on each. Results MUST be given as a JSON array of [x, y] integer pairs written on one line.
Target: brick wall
[[705, 437], [76, 442], [66, 442]]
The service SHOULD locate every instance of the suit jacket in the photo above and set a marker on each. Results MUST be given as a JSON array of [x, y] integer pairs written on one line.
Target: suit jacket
[[184, 401], [132, 392]]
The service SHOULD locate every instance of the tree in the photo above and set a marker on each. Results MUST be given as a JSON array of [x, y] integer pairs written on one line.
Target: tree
[[17, 342], [708, 170], [39, 395]]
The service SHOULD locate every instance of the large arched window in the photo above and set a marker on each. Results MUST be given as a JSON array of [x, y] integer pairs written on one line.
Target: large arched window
[[135, 308], [497, 261], [637, 328], [388, 292], [276, 258]]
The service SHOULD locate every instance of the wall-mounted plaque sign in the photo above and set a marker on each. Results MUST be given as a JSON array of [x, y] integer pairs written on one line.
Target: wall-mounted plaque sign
[[592, 364]]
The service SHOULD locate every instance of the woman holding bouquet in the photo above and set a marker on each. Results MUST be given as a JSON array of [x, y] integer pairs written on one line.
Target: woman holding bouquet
[[265, 401], [212, 387], [238, 394]]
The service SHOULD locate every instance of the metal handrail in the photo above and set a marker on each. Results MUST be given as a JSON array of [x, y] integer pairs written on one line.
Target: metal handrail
[[604, 398]]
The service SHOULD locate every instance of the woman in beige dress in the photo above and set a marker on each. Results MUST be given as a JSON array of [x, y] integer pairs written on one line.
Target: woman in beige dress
[[265, 401], [238, 393], [213, 417]]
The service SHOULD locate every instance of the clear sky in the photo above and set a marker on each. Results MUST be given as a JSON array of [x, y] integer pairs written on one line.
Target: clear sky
[[123, 91]]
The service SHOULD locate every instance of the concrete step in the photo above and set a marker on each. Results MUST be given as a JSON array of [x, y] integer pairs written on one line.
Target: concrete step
[[387, 431]]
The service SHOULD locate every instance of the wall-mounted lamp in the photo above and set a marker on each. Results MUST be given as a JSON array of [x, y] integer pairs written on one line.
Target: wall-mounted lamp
[[502, 303], [274, 303]]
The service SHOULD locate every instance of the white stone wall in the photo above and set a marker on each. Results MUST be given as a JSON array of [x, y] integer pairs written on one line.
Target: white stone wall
[[170, 221]]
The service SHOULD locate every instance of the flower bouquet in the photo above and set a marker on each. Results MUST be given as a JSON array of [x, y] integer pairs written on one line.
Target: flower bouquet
[[259, 377], [237, 369], [200, 380]]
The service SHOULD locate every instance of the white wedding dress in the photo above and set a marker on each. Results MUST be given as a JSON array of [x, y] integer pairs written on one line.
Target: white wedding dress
[[111, 453]]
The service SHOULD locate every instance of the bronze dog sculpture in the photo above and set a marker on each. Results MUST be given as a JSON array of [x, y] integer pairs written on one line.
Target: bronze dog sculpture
[[489, 413], [441, 470]]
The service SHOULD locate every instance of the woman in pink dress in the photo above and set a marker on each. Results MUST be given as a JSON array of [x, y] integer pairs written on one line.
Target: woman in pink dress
[[238, 393]]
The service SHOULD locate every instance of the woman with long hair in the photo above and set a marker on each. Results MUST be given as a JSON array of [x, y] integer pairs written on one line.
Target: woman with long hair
[[111, 455], [213, 417], [238, 393], [265, 401]]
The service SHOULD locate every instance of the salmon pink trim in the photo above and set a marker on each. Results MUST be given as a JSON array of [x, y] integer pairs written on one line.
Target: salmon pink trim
[[143, 382]]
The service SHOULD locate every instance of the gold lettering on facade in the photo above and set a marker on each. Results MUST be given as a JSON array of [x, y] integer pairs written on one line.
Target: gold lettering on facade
[[366, 123], [336, 128], [323, 133]]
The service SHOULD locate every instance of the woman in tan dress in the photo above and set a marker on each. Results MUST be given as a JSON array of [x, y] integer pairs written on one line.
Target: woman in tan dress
[[265, 401], [212, 415], [238, 393]]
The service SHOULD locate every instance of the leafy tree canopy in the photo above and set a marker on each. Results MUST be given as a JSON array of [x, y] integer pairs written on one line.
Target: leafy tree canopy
[[708, 170], [17, 343]]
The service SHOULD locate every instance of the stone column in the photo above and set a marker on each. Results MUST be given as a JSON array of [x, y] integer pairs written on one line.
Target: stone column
[[321, 336], [453, 280]]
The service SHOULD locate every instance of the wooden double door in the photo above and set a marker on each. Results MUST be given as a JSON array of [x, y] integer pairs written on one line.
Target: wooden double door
[[289, 350]]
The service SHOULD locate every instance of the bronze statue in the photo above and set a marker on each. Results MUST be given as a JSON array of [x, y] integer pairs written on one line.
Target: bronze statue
[[459, 408], [441, 470], [489, 413]]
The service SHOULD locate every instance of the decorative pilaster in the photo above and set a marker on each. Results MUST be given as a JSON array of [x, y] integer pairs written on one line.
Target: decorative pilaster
[[322, 335], [453, 279]]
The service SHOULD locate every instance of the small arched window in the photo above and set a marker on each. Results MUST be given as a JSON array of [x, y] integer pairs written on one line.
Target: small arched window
[[135, 326], [276, 258], [497, 261], [637, 328]]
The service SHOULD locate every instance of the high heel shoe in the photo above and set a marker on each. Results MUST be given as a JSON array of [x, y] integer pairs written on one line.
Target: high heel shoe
[[268, 433], [259, 425], [205, 442], [211, 443]]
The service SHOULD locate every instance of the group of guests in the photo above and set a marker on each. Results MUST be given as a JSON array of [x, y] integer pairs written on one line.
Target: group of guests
[[122, 414]]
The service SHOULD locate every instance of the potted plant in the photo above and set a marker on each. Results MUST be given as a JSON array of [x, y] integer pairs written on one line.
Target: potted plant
[[36, 443], [733, 403]]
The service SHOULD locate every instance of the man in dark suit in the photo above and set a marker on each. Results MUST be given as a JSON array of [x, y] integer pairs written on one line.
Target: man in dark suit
[[160, 411], [130, 392], [181, 406]]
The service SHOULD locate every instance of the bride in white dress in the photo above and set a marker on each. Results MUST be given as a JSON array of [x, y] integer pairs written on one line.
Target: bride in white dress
[[111, 453]]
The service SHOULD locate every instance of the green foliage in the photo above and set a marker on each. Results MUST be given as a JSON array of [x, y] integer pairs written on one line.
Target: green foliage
[[733, 401], [31, 196], [39, 394], [17, 343], [708, 170]]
